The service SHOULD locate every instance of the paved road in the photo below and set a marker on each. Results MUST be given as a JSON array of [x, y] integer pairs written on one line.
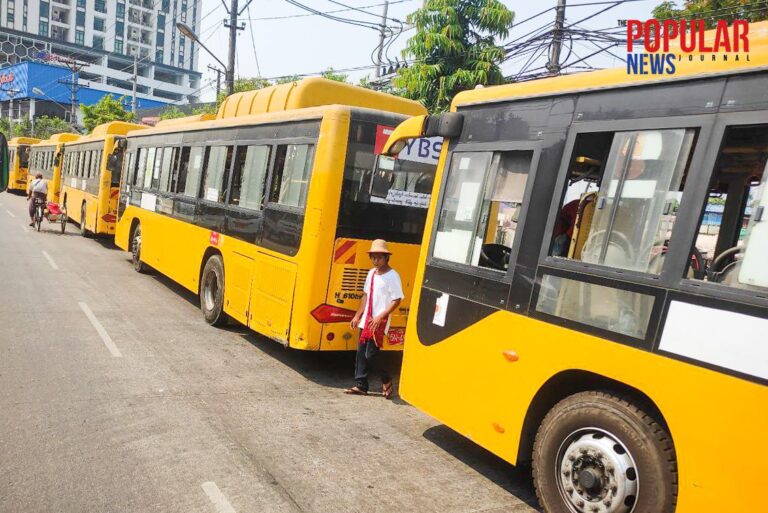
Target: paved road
[[115, 396]]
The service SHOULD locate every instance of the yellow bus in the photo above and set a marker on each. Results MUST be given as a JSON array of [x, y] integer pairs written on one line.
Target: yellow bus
[[18, 160], [89, 187], [45, 158], [592, 292], [267, 211]]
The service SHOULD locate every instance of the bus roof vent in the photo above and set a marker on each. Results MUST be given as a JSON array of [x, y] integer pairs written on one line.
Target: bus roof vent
[[114, 128], [313, 92]]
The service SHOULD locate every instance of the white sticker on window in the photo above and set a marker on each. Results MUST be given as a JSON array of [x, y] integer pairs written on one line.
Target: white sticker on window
[[404, 199], [464, 163], [148, 201], [441, 307], [73, 182], [212, 194]]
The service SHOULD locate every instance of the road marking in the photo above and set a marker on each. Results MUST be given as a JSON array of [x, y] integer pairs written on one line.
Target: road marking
[[100, 330], [10, 213], [217, 498], [50, 261]]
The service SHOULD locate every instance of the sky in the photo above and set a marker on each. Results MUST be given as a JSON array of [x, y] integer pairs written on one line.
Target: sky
[[279, 40]]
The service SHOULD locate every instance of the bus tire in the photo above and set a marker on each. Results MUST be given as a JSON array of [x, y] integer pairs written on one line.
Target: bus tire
[[599, 450], [212, 291], [83, 231], [138, 265]]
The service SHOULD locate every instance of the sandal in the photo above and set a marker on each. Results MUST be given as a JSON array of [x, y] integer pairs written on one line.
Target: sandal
[[387, 389], [355, 391]]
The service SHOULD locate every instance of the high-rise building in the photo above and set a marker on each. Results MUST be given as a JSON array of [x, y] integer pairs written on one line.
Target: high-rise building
[[107, 35]]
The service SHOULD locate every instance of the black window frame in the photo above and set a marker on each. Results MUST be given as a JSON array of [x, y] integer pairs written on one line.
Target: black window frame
[[506, 277]]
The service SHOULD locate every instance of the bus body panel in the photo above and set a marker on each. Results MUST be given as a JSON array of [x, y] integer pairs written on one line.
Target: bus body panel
[[466, 382], [17, 174], [349, 269]]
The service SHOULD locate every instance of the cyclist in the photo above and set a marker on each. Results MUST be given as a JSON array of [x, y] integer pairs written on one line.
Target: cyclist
[[38, 190]]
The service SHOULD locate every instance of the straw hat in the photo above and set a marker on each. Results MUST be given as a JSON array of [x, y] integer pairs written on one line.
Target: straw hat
[[379, 246]]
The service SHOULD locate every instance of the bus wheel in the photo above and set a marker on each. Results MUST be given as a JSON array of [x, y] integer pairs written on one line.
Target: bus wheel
[[138, 265], [212, 292], [83, 231], [597, 452]]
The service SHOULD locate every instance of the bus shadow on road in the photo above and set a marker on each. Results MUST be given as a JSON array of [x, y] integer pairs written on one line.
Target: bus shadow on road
[[331, 369], [515, 480]]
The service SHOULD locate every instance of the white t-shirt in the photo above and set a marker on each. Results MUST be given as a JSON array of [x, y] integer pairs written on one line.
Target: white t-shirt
[[40, 185], [386, 288]]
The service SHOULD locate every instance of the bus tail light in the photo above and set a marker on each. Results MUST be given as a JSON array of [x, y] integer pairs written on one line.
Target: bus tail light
[[109, 218], [328, 313]]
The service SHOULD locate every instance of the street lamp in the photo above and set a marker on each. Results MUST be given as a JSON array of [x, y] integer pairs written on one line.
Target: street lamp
[[187, 31], [40, 92]]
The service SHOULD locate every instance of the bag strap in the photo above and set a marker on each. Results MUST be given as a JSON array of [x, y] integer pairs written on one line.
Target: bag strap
[[370, 298]]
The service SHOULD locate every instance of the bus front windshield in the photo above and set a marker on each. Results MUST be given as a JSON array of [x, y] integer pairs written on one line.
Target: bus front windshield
[[385, 197]]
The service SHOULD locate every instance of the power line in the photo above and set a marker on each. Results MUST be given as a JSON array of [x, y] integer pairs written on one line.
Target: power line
[[253, 41], [291, 16]]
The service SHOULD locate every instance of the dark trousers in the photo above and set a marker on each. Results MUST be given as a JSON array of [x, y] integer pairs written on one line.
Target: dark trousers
[[367, 358], [40, 195]]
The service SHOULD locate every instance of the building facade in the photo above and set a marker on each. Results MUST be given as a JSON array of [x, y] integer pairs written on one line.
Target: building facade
[[106, 36]]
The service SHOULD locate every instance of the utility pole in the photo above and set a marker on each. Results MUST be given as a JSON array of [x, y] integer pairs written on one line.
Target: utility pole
[[135, 80], [232, 47], [11, 93], [74, 67], [218, 80], [382, 34], [553, 66]]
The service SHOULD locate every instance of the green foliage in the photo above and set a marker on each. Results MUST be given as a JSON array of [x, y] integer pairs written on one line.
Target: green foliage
[[287, 80], [332, 75], [44, 127], [713, 10], [454, 48], [171, 112], [105, 110]]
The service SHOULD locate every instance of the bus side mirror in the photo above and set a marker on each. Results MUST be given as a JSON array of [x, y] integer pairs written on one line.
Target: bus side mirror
[[447, 125], [113, 163]]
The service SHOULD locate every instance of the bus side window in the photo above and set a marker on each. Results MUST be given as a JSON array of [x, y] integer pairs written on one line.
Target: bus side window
[[191, 182], [290, 180], [155, 184], [216, 173], [165, 170], [480, 210], [141, 162], [622, 194], [731, 246], [249, 176], [149, 167], [180, 171]]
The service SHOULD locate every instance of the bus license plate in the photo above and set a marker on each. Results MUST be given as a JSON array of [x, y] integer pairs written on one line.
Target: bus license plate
[[396, 336]]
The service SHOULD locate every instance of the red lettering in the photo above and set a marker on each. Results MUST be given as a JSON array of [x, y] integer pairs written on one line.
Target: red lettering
[[740, 32], [722, 38], [685, 45], [670, 32], [652, 40], [702, 30], [634, 31]]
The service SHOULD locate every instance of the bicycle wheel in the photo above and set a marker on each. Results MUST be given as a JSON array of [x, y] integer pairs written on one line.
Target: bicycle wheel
[[38, 217]]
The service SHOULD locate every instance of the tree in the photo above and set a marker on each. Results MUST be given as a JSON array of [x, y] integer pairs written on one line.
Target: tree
[[711, 11], [171, 112], [44, 127], [105, 110], [332, 75], [454, 49]]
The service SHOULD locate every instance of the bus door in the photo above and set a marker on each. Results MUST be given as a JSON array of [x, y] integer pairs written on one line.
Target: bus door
[[244, 221], [284, 207]]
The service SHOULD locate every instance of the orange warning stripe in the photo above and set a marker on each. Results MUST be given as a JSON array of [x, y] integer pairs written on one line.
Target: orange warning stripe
[[346, 252]]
